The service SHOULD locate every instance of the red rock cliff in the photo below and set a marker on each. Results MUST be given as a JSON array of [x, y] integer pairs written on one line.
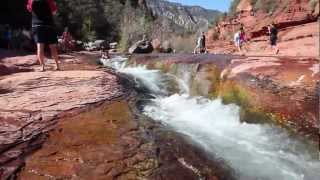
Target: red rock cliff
[[295, 19]]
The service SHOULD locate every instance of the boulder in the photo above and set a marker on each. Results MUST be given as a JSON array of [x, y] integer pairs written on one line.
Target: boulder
[[113, 45], [32, 102], [166, 47], [141, 47], [99, 43], [95, 46]]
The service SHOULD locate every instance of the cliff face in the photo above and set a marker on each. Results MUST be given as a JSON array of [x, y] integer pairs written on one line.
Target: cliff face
[[189, 17], [296, 21]]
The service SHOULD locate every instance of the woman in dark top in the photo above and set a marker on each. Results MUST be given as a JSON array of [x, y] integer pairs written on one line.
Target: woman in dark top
[[273, 33], [43, 28]]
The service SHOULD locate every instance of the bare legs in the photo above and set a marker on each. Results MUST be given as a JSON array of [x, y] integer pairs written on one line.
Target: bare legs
[[54, 54], [40, 54], [239, 48], [195, 51], [275, 49]]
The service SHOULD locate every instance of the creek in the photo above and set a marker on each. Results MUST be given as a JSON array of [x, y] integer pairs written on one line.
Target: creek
[[254, 151]]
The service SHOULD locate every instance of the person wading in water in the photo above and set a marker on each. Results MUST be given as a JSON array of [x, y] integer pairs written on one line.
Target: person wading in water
[[43, 28]]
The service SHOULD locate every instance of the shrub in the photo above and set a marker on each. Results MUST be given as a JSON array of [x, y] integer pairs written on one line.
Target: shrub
[[267, 6], [135, 24], [313, 4], [88, 34], [215, 36], [253, 2], [184, 44], [233, 7]]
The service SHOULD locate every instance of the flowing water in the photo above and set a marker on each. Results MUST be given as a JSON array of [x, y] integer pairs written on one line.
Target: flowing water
[[254, 151]]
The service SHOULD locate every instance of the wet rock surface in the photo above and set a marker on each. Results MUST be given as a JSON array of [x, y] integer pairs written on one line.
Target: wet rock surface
[[82, 123], [141, 47], [108, 142], [285, 88], [102, 143], [32, 102]]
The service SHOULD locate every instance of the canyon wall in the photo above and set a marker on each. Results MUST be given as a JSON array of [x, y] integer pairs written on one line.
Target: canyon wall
[[296, 20]]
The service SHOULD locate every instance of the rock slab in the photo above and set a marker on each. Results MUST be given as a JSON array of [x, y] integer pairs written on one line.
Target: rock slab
[[31, 103]]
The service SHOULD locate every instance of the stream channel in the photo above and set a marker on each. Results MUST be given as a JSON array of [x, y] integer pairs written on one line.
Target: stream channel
[[253, 151]]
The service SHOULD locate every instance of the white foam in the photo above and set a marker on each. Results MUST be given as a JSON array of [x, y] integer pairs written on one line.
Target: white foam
[[255, 151]]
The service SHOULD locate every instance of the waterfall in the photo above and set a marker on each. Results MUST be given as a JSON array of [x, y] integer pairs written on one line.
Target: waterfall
[[254, 151]]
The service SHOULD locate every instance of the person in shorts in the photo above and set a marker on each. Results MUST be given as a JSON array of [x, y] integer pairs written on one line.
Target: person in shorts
[[43, 28], [273, 33]]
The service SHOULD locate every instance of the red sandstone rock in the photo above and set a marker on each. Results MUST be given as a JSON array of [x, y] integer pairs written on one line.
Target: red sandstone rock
[[31, 103], [293, 16], [283, 86]]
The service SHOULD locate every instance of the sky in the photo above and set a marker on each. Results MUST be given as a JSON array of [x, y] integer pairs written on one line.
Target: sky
[[222, 5]]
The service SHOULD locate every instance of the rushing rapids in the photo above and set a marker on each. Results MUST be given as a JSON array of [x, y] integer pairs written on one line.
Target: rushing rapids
[[254, 151]]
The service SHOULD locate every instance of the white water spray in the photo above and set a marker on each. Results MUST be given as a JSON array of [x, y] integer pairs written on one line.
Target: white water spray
[[255, 151]]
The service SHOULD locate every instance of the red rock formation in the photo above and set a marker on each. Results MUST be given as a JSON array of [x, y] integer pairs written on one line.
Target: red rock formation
[[31, 103], [285, 88], [78, 124], [289, 16]]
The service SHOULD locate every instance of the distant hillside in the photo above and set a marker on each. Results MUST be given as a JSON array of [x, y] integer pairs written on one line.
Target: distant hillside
[[191, 18]]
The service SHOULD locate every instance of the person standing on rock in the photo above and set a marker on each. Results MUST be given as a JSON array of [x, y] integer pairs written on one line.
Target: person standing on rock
[[237, 40], [240, 39], [43, 28], [201, 44], [67, 40], [273, 33]]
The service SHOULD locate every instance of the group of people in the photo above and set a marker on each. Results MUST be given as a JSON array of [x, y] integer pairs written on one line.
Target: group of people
[[44, 33], [240, 38], [201, 44]]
